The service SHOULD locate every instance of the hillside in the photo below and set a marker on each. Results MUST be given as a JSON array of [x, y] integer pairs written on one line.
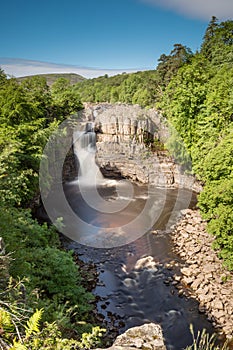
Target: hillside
[[51, 78]]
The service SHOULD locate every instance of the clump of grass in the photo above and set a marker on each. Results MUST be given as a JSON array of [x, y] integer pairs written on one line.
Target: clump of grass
[[205, 341]]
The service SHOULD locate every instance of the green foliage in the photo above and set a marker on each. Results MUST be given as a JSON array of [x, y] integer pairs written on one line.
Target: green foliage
[[140, 88], [178, 150], [218, 41], [184, 97], [209, 37], [48, 280], [47, 269], [24, 129], [33, 334], [169, 65], [6, 326], [32, 325], [37, 93], [216, 202], [218, 163], [198, 103], [3, 77], [66, 99], [52, 77], [93, 339], [36, 273]]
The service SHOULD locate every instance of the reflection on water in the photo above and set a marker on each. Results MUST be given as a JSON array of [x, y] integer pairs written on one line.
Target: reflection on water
[[110, 216], [135, 284]]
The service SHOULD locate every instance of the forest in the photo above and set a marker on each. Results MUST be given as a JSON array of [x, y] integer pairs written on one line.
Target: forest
[[40, 282]]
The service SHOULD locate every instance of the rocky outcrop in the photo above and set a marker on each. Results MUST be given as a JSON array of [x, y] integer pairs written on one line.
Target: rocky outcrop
[[146, 337], [130, 143], [203, 273]]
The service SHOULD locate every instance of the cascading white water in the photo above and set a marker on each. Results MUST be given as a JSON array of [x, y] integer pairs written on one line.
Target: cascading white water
[[85, 149], [90, 178]]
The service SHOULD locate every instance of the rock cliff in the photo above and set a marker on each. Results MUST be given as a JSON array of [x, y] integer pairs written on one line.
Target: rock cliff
[[130, 143]]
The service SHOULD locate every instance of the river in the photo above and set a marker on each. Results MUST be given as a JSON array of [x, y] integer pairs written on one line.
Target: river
[[136, 280]]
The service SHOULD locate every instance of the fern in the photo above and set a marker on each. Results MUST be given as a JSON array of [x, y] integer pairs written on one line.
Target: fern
[[33, 323], [6, 324], [18, 346]]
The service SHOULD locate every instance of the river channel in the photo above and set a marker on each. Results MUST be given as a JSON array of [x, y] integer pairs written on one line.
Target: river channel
[[136, 280]]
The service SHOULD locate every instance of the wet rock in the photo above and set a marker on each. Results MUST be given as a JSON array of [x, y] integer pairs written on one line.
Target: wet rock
[[201, 308], [129, 283], [146, 263]]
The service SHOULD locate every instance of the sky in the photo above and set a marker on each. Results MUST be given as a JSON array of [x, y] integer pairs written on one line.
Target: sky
[[97, 37]]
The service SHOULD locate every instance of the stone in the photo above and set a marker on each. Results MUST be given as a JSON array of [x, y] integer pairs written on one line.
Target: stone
[[217, 304], [129, 283], [209, 268], [147, 336], [188, 280], [186, 271], [146, 263], [201, 308], [212, 284]]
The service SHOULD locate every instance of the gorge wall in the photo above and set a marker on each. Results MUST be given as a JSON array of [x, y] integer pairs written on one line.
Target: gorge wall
[[130, 143]]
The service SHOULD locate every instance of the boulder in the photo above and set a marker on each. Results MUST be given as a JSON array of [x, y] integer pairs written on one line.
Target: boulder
[[148, 336]]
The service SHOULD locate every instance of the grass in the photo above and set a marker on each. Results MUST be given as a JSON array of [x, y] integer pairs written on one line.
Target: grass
[[204, 341]]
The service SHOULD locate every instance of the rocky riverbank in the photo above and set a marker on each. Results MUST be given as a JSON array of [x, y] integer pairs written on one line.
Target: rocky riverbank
[[203, 273]]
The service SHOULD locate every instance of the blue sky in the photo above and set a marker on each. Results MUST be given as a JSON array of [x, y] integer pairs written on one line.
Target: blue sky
[[100, 35]]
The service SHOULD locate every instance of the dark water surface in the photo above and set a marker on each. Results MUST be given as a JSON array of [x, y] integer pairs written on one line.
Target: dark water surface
[[132, 288]]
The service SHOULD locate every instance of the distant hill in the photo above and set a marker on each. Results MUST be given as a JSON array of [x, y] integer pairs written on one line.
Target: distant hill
[[51, 78]]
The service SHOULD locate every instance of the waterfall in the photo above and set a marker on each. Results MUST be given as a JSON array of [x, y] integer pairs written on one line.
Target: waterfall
[[85, 150]]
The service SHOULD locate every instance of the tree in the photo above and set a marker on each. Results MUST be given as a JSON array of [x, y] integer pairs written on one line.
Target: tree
[[14, 106], [37, 92], [66, 99], [3, 77], [169, 65], [208, 38], [217, 43]]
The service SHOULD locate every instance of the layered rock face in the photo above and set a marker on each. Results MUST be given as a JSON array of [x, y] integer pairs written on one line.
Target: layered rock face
[[130, 144]]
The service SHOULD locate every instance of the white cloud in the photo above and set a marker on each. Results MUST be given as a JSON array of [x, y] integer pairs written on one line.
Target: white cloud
[[21, 67], [202, 9]]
